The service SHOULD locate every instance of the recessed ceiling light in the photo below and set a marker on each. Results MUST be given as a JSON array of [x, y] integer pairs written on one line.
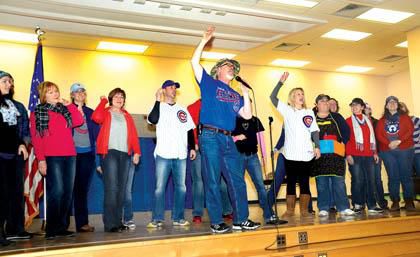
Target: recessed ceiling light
[[403, 44], [343, 34], [384, 15], [289, 63], [216, 55], [120, 47], [354, 69], [7, 35], [302, 3]]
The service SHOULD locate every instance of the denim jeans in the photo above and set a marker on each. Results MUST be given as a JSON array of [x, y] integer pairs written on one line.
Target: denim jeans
[[219, 154], [417, 164], [128, 198], [85, 167], [380, 195], [198, 190], [61, 172], [115, 167], [324, 184], [253, 166], [164, 168], [362, 181], [224, 192], [279, 176], [399, 164]]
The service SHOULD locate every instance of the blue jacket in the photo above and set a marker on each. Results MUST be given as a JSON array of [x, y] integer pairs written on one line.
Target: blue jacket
[[23, 122]]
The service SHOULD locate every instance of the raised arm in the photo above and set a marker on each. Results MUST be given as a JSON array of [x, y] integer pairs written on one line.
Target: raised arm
[[273, 97], [195, 60]]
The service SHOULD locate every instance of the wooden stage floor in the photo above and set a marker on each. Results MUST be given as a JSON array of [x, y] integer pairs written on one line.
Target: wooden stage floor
[[141, 233]]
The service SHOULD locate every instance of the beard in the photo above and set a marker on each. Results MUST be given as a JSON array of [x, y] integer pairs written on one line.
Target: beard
[[229, 76]]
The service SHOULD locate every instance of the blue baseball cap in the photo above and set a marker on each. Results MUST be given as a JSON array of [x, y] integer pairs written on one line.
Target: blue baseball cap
[[76, 87], [169, 83]]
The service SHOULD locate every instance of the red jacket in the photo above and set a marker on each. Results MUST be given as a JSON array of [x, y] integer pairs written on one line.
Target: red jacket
[[194, 110], [351, 144], [58, 141], [405, 133], [102, 116]]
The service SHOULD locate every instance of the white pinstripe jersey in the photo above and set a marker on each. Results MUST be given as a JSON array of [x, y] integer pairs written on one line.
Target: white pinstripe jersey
[[172, 131], [298, 125]]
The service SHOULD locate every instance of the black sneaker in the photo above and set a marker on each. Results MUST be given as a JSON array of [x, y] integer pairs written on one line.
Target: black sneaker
[[49, 236], [20, 236], [115, 230], [220, 228], [124, 227], [332, 210], [274, 220], [375, 210], [65, 233], [357, 210], [246, 225]]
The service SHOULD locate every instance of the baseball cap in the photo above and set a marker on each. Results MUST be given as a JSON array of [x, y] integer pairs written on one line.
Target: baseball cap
[[169, 82], [76, 87]]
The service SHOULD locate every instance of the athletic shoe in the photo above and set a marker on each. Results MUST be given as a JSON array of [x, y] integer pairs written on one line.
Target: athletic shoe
[[181, 222], [197, 219], [332, 210], [246, 225], [323, 213], [274, 220], [347, 212], [124, 227], [357, 209], [4, 241], [115, 230], [220, 228], [20, 236], [155, 224], [65, 233], [375, 210], [130, 224]]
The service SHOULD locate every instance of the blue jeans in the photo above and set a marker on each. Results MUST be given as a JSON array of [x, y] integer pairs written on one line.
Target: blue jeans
[[398, 164], [219, 154], [115, 173], [417, 164], [380, 196], [253, 166], [362, 181], [164, 168], [279, 175], [85, 166], [60, 176], [324, 184], [198, 189], [128, 198]]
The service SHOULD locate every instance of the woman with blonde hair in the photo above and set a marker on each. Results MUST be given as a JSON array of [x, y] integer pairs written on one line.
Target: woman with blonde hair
[[302, 132], [51, 130]]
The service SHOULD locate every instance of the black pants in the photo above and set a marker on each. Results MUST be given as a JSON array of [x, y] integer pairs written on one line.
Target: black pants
[[298, 171], [7, 176], [16, 216]]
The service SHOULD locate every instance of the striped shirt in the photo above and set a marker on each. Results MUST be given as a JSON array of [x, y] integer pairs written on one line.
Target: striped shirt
[[172, 131], [416, 134], [298, 125]]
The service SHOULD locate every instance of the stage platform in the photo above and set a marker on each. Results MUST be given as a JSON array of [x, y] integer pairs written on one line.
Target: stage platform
[[387, 234]]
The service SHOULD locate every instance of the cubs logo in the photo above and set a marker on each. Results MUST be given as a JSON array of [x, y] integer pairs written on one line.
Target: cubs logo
[[307, 120], [182, 116], [392, 127]]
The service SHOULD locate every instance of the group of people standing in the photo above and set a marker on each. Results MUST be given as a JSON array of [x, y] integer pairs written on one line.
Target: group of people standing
[[219, 135]]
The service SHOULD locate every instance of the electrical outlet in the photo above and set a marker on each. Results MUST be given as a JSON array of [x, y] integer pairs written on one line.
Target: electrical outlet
[[303, 237], [322, 254], [281, 241]]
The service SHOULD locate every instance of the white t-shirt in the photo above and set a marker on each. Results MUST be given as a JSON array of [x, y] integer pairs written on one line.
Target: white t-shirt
[[172, 131], [298, 125]]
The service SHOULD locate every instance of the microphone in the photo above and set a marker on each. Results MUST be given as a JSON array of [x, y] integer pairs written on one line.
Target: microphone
[[270, 119], [239, 79]]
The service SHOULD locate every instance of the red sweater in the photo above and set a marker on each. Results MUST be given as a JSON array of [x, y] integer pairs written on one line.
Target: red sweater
[[405, 133], [351, 144], [58, 141], [102, 116], [194, 110]]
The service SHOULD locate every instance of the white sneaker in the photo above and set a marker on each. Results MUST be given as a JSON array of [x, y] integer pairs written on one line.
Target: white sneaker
[[347, 212], [323, 213], [130, 224], [181, 222]]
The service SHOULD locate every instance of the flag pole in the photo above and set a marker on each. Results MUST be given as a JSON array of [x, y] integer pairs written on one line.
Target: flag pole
[[40, 33]]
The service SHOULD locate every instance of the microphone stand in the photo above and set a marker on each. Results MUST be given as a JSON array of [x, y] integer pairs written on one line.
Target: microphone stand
[[270, 120]]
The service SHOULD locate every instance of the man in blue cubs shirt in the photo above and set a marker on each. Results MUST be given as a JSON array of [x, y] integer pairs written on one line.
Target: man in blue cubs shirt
[[220, 106]]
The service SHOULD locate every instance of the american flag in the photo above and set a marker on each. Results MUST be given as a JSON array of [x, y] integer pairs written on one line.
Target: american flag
[[33, 186]]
